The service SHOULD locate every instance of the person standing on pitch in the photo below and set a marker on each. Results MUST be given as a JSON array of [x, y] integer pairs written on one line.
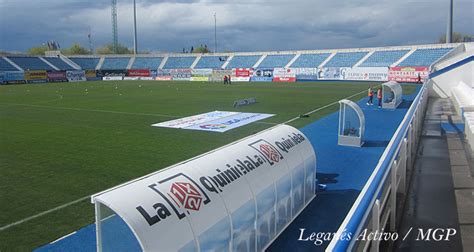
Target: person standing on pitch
[[370, 94], [225, 79], [379, 96]]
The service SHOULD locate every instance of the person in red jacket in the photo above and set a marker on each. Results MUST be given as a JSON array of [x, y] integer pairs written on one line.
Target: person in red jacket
[[379, 96]]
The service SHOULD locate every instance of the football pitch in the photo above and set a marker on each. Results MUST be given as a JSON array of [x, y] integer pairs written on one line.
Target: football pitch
[[62, 142]]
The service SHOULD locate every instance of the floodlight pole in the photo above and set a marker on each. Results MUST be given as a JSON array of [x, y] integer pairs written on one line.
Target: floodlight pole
[[449, 32], [135, 43], [215, 32]]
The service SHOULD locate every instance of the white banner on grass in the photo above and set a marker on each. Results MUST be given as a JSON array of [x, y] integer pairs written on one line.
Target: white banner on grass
[[193, 120], [112, 78], [229, 122]]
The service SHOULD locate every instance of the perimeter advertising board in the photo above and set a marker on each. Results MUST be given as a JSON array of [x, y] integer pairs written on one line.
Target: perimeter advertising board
[[332, 73], [241, 74], [284, 75], [262, 74], [181, 74], [77, 75], [38, 76], [91, 75], [408, 74], [12, 77], [55, 76], [367, 74], [138, 73], [306, 74], [236, 198], [201, 74]]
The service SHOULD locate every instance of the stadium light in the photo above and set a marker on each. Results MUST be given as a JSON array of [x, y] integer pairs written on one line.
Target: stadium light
[[449, 32], [215, 32], [135, 43]]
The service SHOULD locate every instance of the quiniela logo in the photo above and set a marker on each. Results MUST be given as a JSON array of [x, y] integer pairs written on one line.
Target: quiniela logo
[[186, 195], [268, 151]]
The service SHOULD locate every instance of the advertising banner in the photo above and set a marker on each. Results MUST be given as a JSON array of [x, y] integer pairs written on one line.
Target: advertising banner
[[408, 74], [147, 78], [91, 75], [218, 75], [181, 74], [138, 73], [104, 73], [242, 72], [306, 74], [162, 72], [367, 74], [240, 79], [229, 122], [331, 73], [131, 78], [199, 78], [163, 78], [201, 72], [196, 119], [112, 78], [244, 102], [77, 75], [262, 74], [12, 77], [54, 76], [284, 75], [38, 76]]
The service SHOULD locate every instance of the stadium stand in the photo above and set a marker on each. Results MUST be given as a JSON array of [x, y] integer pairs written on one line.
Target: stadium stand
[[59, 63], [30, 63], [274, 61], [214, 62], [243, 61], [383, 58], [179, 62], [115, 63], [310, 60], [345, 59], [424, 57], [86, 63], [147, 62], [6, 66]]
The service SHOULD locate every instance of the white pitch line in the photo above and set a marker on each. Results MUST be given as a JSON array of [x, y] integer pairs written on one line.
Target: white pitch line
[[43, 213], [63, 237], [88, 110], [87, 197]]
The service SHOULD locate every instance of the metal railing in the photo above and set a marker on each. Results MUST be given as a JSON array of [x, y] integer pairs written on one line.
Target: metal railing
[[376, 205]]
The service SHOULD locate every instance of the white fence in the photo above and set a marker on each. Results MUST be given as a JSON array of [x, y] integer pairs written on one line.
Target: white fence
[[376, 205]]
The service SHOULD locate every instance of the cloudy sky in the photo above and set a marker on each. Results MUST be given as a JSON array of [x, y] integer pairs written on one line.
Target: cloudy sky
[[243, 25]]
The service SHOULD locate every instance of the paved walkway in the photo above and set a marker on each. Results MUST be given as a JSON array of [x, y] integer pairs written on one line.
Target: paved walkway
[[441, 193]]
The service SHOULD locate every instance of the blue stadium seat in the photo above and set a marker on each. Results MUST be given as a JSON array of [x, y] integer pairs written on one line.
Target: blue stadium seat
[[6, 66], [86, 63], [246, 61], [424, 57], [30, 63], [345, 59], [115, 63], [310, 60], [275, 61], [59, 63], [179, 62], [214, 62], [383, 58], [151, 63]]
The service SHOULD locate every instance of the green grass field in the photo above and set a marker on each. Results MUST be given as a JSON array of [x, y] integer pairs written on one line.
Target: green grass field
[[62, 142]]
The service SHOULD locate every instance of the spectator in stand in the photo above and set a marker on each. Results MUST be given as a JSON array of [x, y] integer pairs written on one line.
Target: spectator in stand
[[370, 94], [379, 96], [225, 79]]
